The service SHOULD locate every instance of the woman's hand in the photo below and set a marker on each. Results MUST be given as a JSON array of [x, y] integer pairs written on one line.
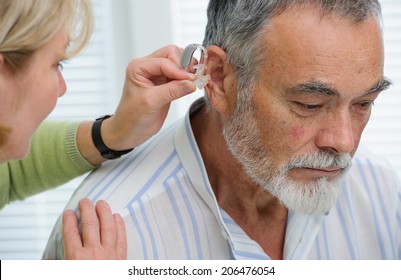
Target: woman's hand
[[151, 84], [103, 234]]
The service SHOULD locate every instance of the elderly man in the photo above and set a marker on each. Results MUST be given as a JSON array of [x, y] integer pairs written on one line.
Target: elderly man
[[265, 166]]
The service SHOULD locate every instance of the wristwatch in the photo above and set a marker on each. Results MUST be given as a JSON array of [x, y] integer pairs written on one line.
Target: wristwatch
[[99, 144]]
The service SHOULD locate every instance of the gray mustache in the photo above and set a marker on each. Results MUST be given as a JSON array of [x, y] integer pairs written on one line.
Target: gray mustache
[[320, 160]]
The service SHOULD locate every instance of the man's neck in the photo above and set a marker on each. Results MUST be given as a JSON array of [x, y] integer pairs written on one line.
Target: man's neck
[[258, 213]]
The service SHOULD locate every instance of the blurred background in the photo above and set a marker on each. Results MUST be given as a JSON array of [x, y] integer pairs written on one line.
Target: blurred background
[[125, 29]]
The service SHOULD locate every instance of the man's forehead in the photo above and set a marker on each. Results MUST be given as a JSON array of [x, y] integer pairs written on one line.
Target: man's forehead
[[329, 56], [310, 39]]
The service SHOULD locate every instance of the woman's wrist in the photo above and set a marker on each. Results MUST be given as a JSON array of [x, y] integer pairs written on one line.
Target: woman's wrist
[[99, 133], [85, 144]]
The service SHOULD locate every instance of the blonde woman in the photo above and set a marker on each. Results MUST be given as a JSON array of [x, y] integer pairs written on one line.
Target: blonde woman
[[35, 37]]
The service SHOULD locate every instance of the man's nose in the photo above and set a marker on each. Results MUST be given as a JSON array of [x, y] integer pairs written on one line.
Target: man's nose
[[337, 134]]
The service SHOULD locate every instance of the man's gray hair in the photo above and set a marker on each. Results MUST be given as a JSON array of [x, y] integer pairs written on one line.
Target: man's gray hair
[[237, 27]]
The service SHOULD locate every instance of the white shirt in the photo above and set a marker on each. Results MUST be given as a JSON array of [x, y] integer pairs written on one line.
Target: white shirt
[[170, 211]]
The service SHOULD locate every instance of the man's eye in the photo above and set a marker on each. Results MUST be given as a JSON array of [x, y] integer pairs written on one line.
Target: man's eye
[[305, 109], [365, 105], [308, 106]]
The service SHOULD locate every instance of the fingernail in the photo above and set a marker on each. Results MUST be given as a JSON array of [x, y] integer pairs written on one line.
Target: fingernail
[[104, 203], [192, 77], [188, 86]]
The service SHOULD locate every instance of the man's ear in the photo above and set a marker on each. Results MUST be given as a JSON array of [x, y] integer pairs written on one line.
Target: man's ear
[[219, 87]]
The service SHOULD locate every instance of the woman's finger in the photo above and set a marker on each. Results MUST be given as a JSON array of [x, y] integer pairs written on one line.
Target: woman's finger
[[89, 223], [71, 236]]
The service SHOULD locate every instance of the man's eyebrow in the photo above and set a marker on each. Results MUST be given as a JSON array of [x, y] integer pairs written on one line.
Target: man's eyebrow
[[314, 87], [317, 87], [382, 85]]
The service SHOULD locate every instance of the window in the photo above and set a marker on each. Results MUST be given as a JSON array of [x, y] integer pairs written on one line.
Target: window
[[95, 80]]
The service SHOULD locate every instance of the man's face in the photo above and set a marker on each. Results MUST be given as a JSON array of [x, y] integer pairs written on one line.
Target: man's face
[[311, 103]]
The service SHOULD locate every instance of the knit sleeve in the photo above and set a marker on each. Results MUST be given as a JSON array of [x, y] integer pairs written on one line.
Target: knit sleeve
[[54, 159]]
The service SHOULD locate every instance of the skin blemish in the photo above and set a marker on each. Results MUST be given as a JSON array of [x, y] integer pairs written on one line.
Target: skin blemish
[[297, 131]]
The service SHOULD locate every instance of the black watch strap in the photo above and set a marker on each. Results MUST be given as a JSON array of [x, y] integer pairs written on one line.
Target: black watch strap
[[99, 144]]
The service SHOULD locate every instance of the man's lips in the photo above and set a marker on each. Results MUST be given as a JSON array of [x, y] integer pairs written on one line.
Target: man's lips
[[323, 172]]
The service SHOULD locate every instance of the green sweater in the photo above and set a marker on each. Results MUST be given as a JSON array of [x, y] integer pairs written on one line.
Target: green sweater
[[54, 159]]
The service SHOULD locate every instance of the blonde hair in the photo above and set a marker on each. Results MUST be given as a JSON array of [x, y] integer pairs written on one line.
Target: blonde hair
[[27, 25]]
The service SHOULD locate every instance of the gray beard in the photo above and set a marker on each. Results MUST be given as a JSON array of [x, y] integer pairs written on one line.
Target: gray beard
[[313, 198]]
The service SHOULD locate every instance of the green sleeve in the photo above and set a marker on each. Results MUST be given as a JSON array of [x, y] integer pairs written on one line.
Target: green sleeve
[[54, 159]]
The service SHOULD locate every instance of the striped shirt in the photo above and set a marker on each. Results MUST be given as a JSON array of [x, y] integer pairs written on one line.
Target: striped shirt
[[170, 211]]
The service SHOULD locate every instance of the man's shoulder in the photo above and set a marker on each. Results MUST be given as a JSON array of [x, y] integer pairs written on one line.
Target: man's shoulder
[[146, 157], [143, 170]]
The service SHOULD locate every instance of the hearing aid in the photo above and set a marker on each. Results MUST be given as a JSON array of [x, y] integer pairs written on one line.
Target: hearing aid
[[200, 68]]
